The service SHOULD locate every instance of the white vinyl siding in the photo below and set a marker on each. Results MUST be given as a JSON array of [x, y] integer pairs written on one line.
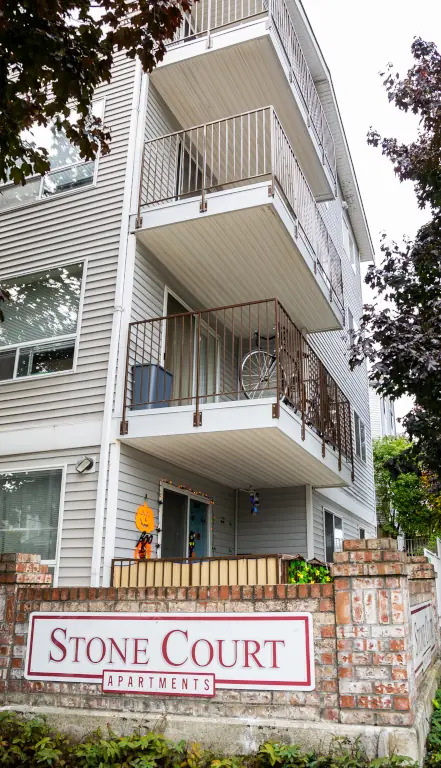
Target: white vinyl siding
[[332, 348], [77, 511], [84, 225], [278, 528], [139, 478], [351, 523]]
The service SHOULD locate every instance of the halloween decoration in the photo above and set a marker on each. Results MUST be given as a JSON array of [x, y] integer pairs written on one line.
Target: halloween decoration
[[145, 522]]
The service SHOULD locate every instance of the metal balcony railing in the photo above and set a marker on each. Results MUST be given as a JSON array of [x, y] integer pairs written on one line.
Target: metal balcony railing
[[232, 152], [207, 16], [239, 352]]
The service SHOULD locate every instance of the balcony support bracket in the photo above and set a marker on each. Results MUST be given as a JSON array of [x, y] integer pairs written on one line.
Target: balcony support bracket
[[324, 447], [203, 207], [276, 410], [197, 419], [124, 428], [138, 222]]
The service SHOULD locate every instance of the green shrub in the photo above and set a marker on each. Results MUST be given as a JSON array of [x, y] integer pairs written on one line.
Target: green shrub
[[433, 757], [31, 743], [301, 572]]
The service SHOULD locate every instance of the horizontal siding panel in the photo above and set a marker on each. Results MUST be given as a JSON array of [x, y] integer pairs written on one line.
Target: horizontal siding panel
[[140, 476], [84, 224], [280, 525]]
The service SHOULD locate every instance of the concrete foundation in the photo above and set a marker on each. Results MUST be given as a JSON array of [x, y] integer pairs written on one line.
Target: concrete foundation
[[242, 736]]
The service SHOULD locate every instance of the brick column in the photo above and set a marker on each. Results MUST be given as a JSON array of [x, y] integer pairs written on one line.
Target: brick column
[[15, 569], [376, 679]]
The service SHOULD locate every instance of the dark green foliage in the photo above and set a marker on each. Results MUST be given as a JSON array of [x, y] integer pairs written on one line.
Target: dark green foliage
[[55, 53], [31, 743], [400, 332]]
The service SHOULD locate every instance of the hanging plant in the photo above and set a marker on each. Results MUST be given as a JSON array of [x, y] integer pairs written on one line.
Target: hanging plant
[[302, 572]]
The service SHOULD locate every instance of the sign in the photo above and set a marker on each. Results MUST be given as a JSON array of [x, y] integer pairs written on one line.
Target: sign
[[159, 683], [264, 651], [423, 635]]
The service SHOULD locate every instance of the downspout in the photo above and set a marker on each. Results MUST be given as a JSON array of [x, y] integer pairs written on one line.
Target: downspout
[[115, 334], [309, 522], [111, 512]]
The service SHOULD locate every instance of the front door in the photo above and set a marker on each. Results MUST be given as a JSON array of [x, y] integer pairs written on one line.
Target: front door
[[174, 525]]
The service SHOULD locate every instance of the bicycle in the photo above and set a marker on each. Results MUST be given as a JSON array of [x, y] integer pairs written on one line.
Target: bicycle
[[258, 372], [258, 376]]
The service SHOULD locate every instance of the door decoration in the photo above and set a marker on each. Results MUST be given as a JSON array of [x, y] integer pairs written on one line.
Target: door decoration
[[145, 523], [191, 543], [254, 501]]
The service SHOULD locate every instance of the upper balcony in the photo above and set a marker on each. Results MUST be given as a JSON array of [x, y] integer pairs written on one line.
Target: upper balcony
[[238, 393], [225, 207], [232, 56]]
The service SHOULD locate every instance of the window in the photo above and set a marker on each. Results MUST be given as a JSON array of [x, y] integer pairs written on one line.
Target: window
[[362, 533], [360, 437], [349, 245], [333, 535], [29, 512], [39, 333], [68, 170]]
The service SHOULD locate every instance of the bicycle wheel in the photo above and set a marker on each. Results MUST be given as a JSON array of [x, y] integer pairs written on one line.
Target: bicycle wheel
[[258, 376]]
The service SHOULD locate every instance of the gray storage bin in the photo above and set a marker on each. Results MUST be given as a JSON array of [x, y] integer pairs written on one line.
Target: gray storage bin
[[150, 382]]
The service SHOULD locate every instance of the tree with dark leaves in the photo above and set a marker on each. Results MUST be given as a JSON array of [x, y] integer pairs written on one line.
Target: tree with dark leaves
[[400, 333], [54, 54]]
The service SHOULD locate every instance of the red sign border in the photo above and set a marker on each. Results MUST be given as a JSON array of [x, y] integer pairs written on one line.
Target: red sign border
[[160, 693], [175, 617]]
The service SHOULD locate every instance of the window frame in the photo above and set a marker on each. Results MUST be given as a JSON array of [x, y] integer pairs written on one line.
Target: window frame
[[334, 515], [360, 437], [66, 337], [55, 564], [75, 190]]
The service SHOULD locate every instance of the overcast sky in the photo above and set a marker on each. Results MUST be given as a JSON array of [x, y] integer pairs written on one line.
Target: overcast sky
[[358, 40]]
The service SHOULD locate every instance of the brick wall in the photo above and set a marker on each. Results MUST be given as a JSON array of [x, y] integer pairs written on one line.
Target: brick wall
[[17, 602], [364, 664], [375, 587]]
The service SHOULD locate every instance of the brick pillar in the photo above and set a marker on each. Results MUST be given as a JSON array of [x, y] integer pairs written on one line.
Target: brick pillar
[[15, 569], [376, 678]]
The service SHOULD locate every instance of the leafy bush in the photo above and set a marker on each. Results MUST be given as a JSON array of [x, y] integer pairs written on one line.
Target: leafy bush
[[434, 738], [31, 743], [302, 572]]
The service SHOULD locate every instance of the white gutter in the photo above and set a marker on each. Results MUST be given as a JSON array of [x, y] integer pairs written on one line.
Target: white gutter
[[116, 326]]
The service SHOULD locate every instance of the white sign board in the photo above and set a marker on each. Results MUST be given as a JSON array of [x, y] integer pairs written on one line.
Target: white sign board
[[264, 651], [423, 635]]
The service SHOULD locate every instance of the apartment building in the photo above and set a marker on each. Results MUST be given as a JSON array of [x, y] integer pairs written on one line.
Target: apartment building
[[181, 310], [382, 411]]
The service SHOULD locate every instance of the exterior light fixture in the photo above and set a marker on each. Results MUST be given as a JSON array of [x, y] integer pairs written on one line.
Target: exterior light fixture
[[85, 464]]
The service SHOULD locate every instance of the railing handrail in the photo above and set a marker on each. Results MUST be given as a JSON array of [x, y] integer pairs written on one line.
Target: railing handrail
[[278, 12], [303, 381], [290, 178]]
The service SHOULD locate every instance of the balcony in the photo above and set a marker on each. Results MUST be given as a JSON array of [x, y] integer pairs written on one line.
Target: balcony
[[237, 392], [225, 207], [235, 55]]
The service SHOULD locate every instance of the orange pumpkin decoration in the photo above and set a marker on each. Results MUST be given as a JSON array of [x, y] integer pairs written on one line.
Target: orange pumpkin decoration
[[145, 519]]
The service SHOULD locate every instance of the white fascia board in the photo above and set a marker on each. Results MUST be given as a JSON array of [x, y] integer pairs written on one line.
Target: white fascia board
[[82, 434], [345, 167]]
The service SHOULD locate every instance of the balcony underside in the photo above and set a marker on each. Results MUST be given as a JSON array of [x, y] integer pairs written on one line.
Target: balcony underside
[[244, 246], [245, 68], [238, 444]]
